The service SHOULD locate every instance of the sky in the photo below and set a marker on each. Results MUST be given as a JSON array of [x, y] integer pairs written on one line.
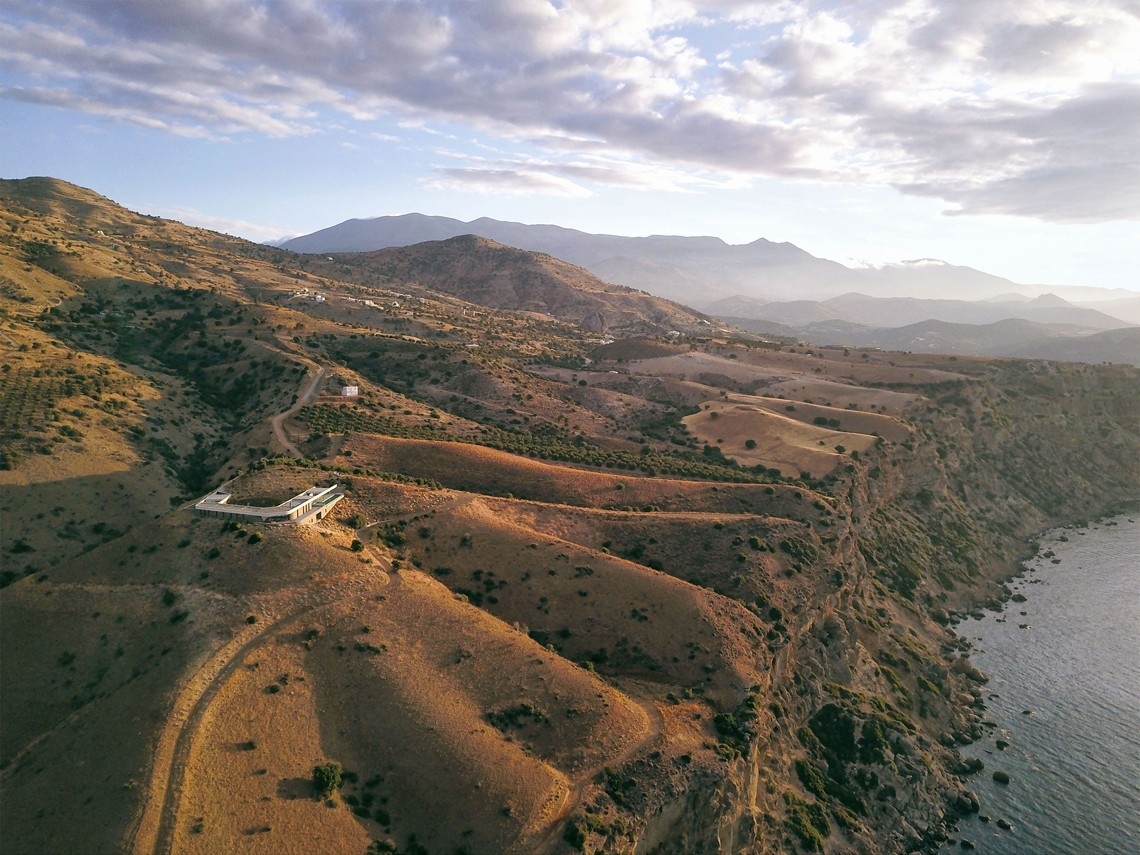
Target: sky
[[999, 134]]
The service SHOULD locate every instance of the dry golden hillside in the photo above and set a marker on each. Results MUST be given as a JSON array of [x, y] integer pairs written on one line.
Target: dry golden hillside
[[675, 593]]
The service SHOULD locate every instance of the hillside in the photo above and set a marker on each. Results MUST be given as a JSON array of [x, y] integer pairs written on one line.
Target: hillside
[[489, 274], [660, 593]]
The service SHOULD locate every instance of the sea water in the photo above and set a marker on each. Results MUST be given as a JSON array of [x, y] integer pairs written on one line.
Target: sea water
[[1064, 692]]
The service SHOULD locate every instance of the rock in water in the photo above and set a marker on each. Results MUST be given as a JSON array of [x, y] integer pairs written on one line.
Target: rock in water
[[1001, 777], [968, 802], [1005, 824]]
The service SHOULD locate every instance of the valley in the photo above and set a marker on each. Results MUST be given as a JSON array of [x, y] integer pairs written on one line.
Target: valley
[[608, 576]]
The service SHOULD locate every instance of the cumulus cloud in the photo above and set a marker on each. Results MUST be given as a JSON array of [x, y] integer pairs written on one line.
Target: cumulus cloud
[[1025, 108]]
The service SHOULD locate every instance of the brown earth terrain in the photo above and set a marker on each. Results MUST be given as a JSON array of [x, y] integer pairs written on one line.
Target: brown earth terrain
[[675, 593]]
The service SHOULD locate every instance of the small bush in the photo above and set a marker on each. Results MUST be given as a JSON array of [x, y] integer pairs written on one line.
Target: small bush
[[327, 779]]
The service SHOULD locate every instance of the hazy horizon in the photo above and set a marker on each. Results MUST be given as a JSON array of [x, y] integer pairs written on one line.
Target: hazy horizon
[[992, 137]]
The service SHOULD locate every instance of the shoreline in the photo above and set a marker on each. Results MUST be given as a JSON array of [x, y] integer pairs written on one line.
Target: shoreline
[[1008, 728], [979, 604]]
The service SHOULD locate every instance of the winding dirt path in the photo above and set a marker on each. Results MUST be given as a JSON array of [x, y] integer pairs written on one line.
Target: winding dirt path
[[547, 841], [303, 399], [154, 832]]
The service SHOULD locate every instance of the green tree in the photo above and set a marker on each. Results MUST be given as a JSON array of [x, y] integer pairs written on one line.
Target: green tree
[[327, 778]]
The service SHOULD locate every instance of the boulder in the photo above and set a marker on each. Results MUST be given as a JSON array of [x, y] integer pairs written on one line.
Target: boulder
[[1001, 777], [967, 802], [966, 668], [595, 322], [969, 767]]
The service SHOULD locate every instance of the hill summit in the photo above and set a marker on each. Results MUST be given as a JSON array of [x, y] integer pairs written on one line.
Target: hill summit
[[487, 273]]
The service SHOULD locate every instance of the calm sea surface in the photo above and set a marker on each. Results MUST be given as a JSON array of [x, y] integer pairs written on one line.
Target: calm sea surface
[[1064, 691]]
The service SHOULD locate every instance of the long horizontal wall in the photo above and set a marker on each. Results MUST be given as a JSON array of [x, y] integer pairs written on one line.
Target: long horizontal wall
[[308, 506]]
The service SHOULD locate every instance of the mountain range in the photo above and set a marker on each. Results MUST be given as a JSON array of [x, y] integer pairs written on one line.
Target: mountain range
[[903, 306], [697, 270]]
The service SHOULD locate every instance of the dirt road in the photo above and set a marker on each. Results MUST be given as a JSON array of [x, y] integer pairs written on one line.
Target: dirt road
[[302, 400], [154, 833]]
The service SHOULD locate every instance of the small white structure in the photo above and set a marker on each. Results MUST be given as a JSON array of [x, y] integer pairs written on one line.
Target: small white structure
[[309, 506], [349, 391]]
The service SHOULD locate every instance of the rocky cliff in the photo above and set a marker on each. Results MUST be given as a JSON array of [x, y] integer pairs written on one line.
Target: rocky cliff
[[873, 691]]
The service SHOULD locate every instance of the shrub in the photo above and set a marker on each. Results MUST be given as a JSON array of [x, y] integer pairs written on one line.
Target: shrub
[[808, 821], [579, 829], [327, 779], [393, 538], [357, 545], [618, 786], [513, 716]]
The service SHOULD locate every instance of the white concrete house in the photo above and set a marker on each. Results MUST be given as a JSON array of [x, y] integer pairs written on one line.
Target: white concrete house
[[309, 506]]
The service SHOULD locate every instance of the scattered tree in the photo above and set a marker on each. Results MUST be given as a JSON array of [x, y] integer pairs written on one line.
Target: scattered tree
[[327, 779]]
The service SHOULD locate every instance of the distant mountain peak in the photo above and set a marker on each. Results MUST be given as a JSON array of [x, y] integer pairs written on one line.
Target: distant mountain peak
[[1050, 300]]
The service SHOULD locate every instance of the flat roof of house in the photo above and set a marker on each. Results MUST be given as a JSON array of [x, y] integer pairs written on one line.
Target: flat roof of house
[[219, 499]]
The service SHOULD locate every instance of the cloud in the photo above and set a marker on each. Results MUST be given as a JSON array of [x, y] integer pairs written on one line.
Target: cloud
[[1018, 108], [251, 231], [499, 181]]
